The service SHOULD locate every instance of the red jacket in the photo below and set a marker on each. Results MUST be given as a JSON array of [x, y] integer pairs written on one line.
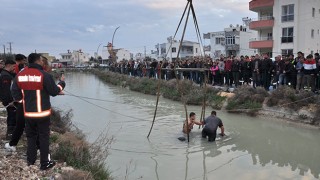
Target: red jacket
[[228, 65], [34, 87]]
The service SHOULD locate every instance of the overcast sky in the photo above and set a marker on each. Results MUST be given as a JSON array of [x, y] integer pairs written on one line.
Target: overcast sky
[[54, 26]]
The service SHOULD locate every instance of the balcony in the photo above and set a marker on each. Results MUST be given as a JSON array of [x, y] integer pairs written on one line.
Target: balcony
[[207, 48], [264, 22], [233, 47], [260, 43], [257, 5]]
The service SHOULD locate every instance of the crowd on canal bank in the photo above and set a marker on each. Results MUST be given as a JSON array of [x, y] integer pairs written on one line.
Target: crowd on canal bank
[[301, 72]]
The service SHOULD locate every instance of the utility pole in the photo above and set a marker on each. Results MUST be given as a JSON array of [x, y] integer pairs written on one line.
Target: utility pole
[[10, 47], [4, 50], [145, 52]]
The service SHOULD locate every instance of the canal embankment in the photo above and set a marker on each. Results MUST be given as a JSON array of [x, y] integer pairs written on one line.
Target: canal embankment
[[283, 103]]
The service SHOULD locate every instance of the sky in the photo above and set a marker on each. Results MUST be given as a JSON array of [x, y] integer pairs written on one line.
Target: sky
[[56, 26]]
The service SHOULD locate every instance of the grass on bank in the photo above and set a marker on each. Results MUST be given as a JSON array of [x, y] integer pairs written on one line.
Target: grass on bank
[[247, 99], [193, 94], [73, 149], [285, 96]]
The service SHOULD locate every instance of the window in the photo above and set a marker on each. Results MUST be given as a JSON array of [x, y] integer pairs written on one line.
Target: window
[[230, 40], [174, 49], [287, 13], [269, 36], [312, 33], [287, 35], [286, 52], [196, 50], [313, 12], [218, 40]]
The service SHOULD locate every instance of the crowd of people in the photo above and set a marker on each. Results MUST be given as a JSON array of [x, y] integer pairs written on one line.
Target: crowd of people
[[300, 72], [26, 87]]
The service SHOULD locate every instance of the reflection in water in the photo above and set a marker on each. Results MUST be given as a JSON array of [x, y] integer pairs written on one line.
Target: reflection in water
[[255, 148], [156, 167], [187, 161], [282, 149], [204, 166]]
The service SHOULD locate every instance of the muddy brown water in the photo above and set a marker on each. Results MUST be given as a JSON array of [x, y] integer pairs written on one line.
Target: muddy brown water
[[256, 148]]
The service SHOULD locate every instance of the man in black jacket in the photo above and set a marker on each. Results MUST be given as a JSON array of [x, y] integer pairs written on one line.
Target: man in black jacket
[[246, 70], [7, 75], [1, 65], [34, 87], [255, 68], [235, 68], [265, 70]]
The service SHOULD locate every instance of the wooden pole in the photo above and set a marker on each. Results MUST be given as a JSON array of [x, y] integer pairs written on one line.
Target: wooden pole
[[203, 110], [157, 102]]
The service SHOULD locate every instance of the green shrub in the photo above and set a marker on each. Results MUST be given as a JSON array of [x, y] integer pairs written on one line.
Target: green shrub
[[143, 85], [247, 99], [287, 97], [61, 122], [53, 138], [216, 101]]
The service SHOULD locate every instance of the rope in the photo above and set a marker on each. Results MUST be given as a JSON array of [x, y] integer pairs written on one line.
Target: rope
[[101, 107], [90, 98]]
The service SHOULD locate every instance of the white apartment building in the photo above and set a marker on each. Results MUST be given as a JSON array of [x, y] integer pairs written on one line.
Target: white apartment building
[[234, 40], [286, 26], [170, 49], [217, 43], [76, 57], [121, 54]]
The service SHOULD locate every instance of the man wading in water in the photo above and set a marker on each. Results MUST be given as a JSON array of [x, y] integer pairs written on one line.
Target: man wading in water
[[211, 125], [187, 129]]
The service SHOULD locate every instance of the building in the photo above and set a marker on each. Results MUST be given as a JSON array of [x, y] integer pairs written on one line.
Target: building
[[50, 58], [217, 43], [234, 40], [286, 26], [170, 49], [74, 58], [120, 54]]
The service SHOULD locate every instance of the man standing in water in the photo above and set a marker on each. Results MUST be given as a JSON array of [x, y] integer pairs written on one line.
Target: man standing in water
[[187, 129], [211, 125]]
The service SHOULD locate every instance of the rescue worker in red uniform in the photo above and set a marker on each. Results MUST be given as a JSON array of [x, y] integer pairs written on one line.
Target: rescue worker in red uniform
[[34, 87]]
